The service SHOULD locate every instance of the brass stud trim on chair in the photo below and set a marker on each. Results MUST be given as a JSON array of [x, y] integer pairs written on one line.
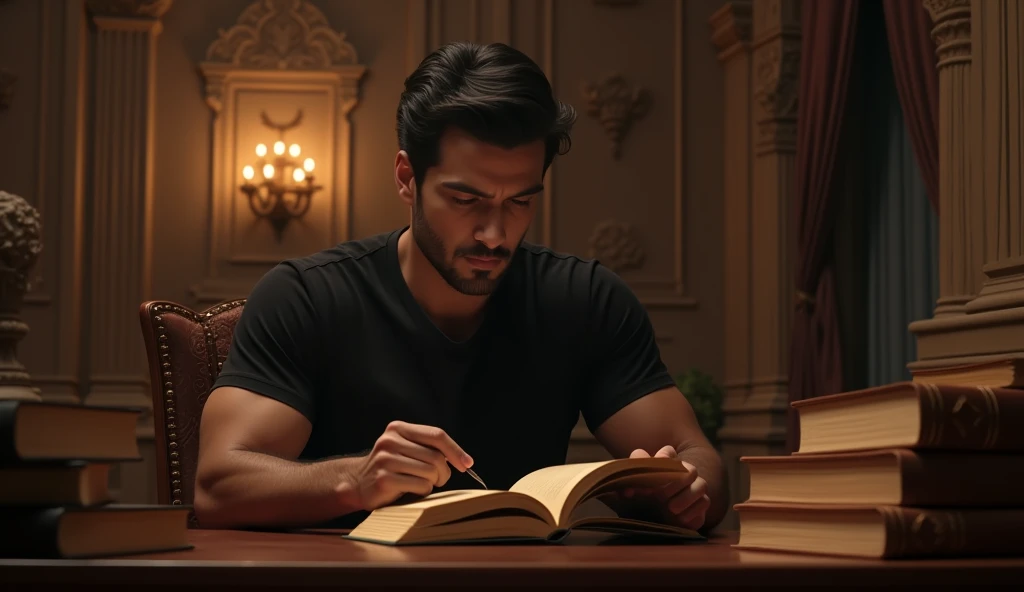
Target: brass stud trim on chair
[[169, 395]]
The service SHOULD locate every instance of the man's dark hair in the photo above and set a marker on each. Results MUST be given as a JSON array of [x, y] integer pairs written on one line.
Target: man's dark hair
[[493, 92]]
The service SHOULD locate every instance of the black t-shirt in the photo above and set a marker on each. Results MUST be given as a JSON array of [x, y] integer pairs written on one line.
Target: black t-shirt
[[339, 337]]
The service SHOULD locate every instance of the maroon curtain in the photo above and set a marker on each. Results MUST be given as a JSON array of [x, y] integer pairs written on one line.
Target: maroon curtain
[[826, 58], [917, 82]]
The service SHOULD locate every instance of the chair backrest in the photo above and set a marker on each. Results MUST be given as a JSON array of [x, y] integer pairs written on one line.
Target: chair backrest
[[185, 350]]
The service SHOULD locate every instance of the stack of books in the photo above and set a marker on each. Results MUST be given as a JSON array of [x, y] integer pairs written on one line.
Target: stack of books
[[55, 500], [909, 469]]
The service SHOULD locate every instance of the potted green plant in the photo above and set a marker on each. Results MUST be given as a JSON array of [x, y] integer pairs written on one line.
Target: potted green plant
[[705, 396]]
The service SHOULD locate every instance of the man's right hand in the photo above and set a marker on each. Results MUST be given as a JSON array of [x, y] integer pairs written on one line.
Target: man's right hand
[[407, 458]]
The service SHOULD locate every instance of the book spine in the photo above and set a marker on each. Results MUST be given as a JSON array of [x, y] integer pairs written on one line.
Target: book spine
[[30, 534], [971, 418], [921, 533]]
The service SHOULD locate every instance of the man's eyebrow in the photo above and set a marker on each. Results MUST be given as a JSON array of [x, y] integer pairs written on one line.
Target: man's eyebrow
[[464, 188]]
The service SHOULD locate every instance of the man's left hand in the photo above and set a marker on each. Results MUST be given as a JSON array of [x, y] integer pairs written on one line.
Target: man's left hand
[[685, 501]]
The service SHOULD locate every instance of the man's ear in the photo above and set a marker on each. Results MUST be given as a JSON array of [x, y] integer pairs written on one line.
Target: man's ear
[[405, 180]]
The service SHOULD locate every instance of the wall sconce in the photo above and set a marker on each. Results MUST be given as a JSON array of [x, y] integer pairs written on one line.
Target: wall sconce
[[285, 185]]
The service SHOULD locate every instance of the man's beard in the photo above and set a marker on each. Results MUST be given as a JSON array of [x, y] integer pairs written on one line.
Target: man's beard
[[432, 247]]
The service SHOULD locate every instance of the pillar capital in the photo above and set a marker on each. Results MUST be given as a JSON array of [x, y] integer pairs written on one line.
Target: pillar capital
[[952, 30]]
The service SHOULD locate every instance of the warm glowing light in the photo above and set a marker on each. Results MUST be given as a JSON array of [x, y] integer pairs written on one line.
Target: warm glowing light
[[261, 150], [279, 147], [294, 150], [248, 173], [268, 171], [298, 175], [308, 164]]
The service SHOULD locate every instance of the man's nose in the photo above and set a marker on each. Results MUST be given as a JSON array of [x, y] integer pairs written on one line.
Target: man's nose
[[492, 231]]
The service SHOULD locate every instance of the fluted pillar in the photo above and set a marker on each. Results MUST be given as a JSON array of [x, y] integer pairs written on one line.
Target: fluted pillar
[[998, 35], [122, 194], [959, 255], [987, 36]]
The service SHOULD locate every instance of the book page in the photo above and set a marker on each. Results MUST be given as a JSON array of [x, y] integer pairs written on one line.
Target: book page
[[442, 498], [552, 486]]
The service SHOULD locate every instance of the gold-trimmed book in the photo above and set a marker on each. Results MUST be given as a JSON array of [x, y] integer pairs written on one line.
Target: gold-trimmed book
[[913, 415], [543, 506]]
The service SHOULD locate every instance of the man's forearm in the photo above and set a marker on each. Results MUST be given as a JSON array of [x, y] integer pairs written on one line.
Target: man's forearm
[[252, 489], [709, 466]]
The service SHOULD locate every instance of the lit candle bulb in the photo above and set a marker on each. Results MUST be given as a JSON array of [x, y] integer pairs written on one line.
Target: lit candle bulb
[[279, 147], [261, 150], [248, 173], [294, 150], [298, 175], [268, 171], [308, 165]]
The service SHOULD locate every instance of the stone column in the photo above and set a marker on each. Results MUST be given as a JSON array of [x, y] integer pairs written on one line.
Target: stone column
[[122, 194], [987, 34], [20, 245]]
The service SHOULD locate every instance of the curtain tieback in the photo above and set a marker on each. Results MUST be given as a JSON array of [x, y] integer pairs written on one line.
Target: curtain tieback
[[804, 300]]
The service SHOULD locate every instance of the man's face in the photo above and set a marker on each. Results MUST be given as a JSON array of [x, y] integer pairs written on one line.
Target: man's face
[[474, 209]]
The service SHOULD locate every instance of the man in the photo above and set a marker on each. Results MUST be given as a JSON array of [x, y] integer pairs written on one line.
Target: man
[[391, 365]]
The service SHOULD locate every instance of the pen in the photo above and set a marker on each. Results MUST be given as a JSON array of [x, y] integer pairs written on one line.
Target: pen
[[477, 477]]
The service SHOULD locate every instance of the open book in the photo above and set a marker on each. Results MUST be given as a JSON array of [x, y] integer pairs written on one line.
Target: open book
[[543, 505]]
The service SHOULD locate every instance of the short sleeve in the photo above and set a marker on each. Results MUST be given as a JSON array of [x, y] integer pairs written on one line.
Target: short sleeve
[[624, 362], [274, 351]]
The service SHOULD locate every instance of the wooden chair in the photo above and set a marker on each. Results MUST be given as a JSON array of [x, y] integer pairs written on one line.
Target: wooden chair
[[185, 350]]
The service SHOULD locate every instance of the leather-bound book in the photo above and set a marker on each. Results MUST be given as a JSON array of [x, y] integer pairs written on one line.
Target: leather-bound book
[[1005, 372], [95, 531], [880, 532], [34, 431], [913, 415], [898, 477]]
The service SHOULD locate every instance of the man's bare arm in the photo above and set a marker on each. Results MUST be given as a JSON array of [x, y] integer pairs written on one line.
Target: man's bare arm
[[247, 473], [666, 418]]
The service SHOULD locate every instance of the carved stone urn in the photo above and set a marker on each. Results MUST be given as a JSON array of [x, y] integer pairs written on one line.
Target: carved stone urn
[[20, 245]]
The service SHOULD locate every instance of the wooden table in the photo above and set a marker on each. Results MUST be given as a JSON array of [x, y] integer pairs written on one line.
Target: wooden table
[[254, 560]]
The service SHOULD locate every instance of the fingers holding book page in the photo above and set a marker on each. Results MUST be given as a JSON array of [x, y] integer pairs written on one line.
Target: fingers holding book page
[[407, 458]]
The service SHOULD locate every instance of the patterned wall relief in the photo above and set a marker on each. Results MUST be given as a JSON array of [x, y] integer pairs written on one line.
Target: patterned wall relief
[[616, 105], [617, 246]]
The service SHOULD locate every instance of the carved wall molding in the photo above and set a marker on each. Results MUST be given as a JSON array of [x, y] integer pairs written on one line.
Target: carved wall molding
[[283, 35], [777, 78], [952, 30], [280, 35], [731, 27], [616, 246], [616, 104], [279, 56], [7, 80], [129, 8]]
